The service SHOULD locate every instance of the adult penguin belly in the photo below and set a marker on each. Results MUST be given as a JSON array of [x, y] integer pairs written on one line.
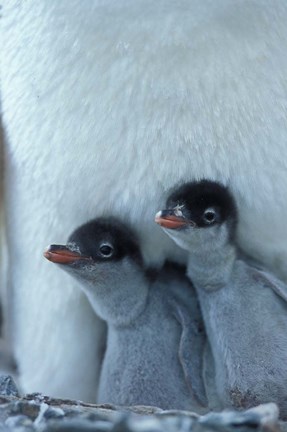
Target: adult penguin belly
[[107, 106]]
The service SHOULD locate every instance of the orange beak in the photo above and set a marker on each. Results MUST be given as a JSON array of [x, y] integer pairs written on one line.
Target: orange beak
[[62, 255], [167, 219]]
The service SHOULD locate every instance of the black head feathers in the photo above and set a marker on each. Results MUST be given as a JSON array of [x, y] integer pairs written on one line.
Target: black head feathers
[[204, 202], [106, 239]]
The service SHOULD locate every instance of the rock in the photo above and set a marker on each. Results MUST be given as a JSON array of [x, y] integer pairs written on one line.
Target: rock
[[38, 413], [8, 386], [78, 425], [20, 422], [260, 417], [53, 413]]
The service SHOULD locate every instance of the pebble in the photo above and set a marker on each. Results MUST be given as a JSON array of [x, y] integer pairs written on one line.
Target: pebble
[[8, 386], [38, 413]]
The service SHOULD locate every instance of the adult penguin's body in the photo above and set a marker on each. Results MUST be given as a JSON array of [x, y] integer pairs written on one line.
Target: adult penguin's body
[[107, 106]]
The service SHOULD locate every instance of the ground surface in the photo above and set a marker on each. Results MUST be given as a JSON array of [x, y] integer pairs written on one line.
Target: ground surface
[[40, 413]]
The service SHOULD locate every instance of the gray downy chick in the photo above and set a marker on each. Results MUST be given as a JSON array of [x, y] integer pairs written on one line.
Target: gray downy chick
[[148, 360], [244, 307]]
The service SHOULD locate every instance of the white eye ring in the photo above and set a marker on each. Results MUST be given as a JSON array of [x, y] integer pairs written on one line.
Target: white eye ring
[[106, 250], [209, 215]]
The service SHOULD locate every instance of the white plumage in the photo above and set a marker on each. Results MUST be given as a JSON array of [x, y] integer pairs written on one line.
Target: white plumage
[[106, 105]]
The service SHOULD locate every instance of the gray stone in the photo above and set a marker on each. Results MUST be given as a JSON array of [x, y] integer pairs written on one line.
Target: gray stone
[[4, 428], [53, 413], [19, 420], [38, 413], [76, 425], [20, 423], [8, 386], [254, 418]]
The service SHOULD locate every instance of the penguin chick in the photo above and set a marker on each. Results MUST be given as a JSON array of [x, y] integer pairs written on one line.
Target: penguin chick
[[244, 308], [147, 359]]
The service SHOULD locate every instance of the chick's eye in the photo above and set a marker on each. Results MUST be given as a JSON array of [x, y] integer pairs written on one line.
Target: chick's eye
[[209, 216], [106, 250]]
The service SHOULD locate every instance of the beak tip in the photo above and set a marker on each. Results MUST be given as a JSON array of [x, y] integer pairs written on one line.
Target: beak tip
[[47, 253], [158, 217]]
